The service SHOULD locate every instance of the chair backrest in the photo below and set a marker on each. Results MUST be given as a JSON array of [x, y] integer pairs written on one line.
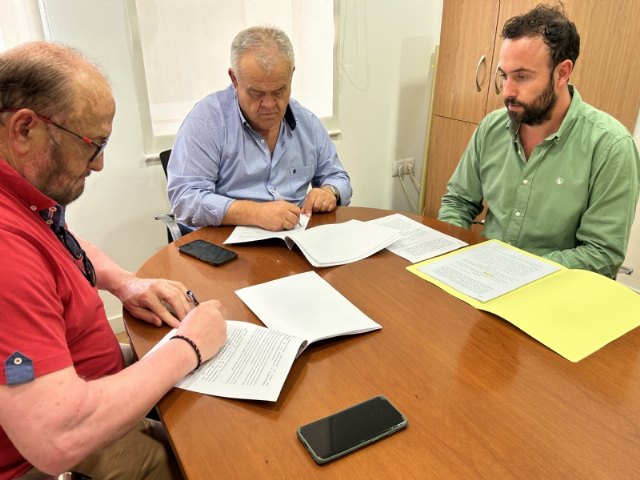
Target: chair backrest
[[173, 230], [164, 160]]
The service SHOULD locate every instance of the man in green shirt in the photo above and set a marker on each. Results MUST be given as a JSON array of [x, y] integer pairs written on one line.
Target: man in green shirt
[[559, 178]]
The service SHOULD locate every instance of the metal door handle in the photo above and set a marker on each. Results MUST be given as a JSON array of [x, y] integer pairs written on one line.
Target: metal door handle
[[495, 82], [480, 62]]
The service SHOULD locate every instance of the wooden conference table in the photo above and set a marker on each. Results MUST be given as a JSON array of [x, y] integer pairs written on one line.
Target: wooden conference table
[[483, 399]]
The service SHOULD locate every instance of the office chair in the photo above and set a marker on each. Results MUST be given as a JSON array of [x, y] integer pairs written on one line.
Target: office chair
[[173, 230]]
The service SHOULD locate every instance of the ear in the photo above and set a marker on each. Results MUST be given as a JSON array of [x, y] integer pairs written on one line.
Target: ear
[[233, 78], [563, 71], [22, 132]]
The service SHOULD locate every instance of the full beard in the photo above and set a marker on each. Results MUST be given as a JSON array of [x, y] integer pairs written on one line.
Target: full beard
[[57, 182], [536, 112]]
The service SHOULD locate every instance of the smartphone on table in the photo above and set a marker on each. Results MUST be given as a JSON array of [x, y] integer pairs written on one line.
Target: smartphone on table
[[208, 252], [343, 432]]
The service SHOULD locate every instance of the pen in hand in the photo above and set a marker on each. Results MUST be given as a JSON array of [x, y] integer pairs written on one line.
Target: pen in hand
[[192, 296]]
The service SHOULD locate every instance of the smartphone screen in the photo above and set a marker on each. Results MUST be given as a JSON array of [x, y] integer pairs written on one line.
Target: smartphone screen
[[343, 432], [208, 252]]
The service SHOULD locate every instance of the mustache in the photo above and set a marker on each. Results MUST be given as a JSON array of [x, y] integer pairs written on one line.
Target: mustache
[[513, 101]]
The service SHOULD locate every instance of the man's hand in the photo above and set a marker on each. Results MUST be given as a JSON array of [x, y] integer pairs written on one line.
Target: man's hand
[[156, 301], [319, 200], [206, 327], [275, 216]]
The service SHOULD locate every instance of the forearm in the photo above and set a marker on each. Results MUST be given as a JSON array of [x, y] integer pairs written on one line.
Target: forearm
[[462, 201], [72, 422], [109, 275], [457, 211], [589, 257], [242, 212]]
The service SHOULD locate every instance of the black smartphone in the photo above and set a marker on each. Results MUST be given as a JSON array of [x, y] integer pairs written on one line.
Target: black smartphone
[[345, 431], [208, 252]]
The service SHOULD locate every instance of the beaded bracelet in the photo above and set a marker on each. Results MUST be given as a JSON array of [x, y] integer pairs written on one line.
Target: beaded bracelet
[[193, 345]]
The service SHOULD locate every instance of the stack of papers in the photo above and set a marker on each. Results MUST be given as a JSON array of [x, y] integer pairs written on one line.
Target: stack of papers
[[328, 245], [255, 361]]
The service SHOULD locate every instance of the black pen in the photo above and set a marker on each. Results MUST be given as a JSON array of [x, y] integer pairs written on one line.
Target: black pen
[[192, 296]]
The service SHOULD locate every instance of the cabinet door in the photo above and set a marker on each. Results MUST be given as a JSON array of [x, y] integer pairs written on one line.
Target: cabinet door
[[607, 70], [447, 143], [464, 59]]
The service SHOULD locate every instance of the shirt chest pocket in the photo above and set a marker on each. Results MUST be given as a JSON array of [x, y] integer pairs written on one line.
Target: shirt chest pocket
[[298, 179]]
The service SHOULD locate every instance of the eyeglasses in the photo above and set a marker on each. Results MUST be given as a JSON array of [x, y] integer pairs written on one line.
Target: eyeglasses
[[99, 147], [70, 242]]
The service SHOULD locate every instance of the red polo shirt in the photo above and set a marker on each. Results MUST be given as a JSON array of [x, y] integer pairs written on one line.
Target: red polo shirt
[[51, 316]]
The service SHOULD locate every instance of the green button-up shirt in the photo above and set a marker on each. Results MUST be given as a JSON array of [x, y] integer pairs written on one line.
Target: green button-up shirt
[[573, 201]]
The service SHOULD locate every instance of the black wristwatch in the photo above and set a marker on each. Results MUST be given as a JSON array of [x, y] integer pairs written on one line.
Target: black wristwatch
[[333, 190]]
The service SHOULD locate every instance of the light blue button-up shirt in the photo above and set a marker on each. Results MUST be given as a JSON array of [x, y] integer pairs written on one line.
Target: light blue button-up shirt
[[217, 158]]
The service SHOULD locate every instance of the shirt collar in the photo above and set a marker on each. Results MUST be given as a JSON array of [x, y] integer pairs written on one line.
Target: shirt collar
[[36, 201], [289, 117]]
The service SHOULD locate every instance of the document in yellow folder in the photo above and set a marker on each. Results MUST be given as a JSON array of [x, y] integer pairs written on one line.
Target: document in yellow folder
[[573, 312]]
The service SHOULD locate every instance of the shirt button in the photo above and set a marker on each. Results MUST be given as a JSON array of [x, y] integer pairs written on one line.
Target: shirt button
[[525, 181], [262, 141], [518, 214], [33, 207], [17, 361]]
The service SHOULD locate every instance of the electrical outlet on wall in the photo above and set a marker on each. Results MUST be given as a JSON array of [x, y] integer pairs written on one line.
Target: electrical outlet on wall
[[405, 165]]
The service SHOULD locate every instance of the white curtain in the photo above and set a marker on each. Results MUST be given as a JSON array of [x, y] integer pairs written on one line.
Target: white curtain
[[19, 22], [185, 50]]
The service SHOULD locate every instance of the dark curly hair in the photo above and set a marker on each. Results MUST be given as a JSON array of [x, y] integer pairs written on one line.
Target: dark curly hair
[[549, 22]]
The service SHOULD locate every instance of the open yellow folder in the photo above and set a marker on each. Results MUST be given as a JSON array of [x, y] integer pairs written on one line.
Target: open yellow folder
[[573, 312]]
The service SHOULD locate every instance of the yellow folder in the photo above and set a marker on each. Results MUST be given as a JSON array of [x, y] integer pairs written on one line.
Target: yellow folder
[[573, 312]]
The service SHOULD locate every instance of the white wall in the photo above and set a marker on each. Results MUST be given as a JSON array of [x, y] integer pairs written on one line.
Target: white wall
[[384, 95], [383, 108]]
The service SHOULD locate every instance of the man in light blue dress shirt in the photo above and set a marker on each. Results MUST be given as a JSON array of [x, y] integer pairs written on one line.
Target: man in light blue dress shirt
[[247, 155]]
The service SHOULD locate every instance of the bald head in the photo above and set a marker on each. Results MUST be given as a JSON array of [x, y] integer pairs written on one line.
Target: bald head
[[58, 112], [49, 78]]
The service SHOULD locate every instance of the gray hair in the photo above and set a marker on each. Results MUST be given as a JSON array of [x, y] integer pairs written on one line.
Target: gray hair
[[40, 76], [263, 42]]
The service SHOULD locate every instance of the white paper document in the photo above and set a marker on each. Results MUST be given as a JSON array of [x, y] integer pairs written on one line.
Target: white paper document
[[417, 241], [331, 244], [255, 361], [306, 306], [488, 270], [244, 234], [253, 364]]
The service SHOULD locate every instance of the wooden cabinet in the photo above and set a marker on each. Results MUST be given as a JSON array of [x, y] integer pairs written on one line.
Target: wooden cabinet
[[465, 58], [606, 72]]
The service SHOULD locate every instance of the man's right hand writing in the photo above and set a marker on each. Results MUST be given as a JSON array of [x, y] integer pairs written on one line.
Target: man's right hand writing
[[274, 216], [206, 327]]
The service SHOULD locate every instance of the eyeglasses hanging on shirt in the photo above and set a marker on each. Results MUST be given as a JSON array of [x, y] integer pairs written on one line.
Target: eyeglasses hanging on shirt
[[74, 248], [54, 217]]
